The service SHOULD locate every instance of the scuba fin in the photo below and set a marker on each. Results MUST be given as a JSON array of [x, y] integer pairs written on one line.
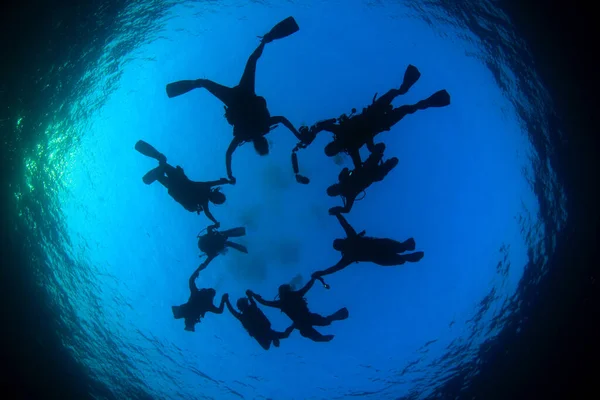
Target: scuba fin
[[148, 150], [283, 29], [411, 76], [438, 99], [178, 88], [153, 175], [413, 257], [235, 232], [236, 246], [302, 179], [339, 315]]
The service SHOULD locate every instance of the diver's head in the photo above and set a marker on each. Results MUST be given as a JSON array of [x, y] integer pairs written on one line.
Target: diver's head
[[243, 304], [211, 292], [261, 145], [338, 244], [216, 196], [284, 289], [189, 325], [333, 148], [334, 190]]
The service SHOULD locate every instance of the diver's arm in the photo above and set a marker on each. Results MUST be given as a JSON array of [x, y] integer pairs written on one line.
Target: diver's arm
[[262, 301], [328, 125], [306, 288], [231, 310], [218, 310], [347, 228], [192, 280], [235, 142], [209, 215], [221, 181], [348, 202], [343, 263], [287, 124]]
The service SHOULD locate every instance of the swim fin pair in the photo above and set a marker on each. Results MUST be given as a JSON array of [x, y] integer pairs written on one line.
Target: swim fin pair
[[149, 151], [438, 99], [283, 29]]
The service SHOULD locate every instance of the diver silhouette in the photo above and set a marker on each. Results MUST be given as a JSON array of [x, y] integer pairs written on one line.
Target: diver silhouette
[[214, 242], [193, 196], [247, 112], [293, 304], [352, 183], [256, 322], [199, 303], [353, 131], [357, 247]]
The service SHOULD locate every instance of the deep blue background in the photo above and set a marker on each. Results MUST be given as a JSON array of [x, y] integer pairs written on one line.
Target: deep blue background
[[96, 153]]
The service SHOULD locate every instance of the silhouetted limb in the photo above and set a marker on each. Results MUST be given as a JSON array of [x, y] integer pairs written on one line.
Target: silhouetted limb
[[347, 228], [236, 246], [438, 99], [248, 77], [343, 263], [235, 143], [392, 259], [278, 119], [313, 334], [302, 292], [218, 310]]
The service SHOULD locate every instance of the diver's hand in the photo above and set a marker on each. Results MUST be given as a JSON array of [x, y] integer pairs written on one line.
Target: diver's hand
[[217, 225], [316, 275], [250, 293], [335, 210], [223, 181], [232, 180], [226, 297]]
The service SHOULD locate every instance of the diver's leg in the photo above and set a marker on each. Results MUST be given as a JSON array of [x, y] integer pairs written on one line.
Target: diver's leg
[[265, 343], [164, 181], [285, 334], [248, 77], [394, 246], [311, 333], [392, 259], [438, 99], [339, 315], [236, 246], [153, 175], [387, 98], [224, 93], [319, 320], [234, 232]]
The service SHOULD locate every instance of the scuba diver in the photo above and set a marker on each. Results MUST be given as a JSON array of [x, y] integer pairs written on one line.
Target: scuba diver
[[293, 304], [214, 242], [357, 247], [247, 112], [256, 322], [353, 131], [199, 303], [193, 196], [352, 183]]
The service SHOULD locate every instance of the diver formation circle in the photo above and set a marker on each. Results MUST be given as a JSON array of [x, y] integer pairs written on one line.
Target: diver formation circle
[[249, 115]]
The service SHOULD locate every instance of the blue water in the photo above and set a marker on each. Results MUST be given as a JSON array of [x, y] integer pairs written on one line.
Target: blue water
[[125, 250]]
